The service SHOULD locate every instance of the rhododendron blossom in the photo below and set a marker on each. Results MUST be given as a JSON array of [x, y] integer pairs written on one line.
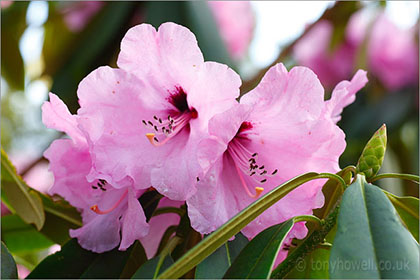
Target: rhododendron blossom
[[236, 23], [281, 129], [151, 113], [107, 212]]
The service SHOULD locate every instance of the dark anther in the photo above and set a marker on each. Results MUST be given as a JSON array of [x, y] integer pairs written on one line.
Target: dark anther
[[156, 118], [145, 123], [198, 179], [150, 123], [94, 187], [262, 167], [253, 172], [154, 138], [264, 172], [254, 154], [155, 127], [274, 172], [263, 180], [160, 120]]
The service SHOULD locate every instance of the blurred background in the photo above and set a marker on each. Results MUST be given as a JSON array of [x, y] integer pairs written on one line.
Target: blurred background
[[51, 46]]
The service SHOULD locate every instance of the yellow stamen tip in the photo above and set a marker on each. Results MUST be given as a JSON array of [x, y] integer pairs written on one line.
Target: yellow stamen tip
[[258, 191], [151, 137]]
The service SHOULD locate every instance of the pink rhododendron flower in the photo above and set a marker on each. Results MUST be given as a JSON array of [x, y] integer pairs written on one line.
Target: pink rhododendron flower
[[281, 129], [115, 210], [144, 121], [393, 54], [236, 22], [312, 51], [4, 4], [77, 14]]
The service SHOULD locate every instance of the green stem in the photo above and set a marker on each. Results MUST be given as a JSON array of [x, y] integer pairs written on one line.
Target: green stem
[[237, 223], [308, 245], [170, 246], [409, 177], [317, 222], [350, 168], [165, 210]]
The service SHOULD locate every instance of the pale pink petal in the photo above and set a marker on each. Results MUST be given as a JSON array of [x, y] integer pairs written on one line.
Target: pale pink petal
[[344, 94], [100, 234], [393, 54], [56, 115], [134, 224], [170, 52], [236, 22]]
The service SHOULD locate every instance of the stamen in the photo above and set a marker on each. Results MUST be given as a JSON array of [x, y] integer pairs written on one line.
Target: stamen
[[96, 209], [258, 190], [180, 123]]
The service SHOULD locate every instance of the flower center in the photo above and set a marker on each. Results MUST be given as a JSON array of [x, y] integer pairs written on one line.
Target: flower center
[[245, 162], [169, 126]]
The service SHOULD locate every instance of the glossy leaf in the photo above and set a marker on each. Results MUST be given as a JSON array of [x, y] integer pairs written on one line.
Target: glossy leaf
[[24, 201], [315, 264], [216, 265], [256, 260], [21, 237], [8, 264], [72, 261], [234, 225], [136, 258], [149, 269], [408, 210], [371, 242], [60, 217]]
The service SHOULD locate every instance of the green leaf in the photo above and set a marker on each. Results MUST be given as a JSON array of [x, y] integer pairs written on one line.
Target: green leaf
[[373, 154], [315, 264], [234, 225], [8, 265], [20, 237], [216, 265], [24, 201], [107, 265], [60, 217], [408, 209], [72, 261], [256, 260], [136, 259], [371, 242], [149, 269]]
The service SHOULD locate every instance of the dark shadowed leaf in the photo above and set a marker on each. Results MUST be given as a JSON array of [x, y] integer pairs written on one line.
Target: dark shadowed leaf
[[408, 209], [150, 268], [371, 241], [8, 265], [136, 258], [216, 265], [72, 261], [256, 260]]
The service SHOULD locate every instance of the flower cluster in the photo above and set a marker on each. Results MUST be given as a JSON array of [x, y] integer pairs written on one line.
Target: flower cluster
[[391, 52], [169, 120]]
